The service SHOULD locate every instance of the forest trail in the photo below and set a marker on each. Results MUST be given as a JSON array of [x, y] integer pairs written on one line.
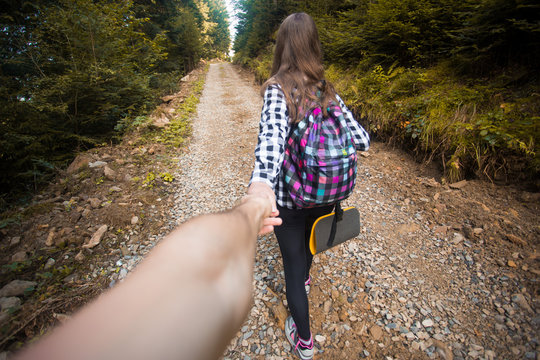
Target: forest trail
[[438, 271], [214, 172]]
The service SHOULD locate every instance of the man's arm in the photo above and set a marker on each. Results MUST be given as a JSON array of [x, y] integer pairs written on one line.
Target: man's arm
[[186, 300]]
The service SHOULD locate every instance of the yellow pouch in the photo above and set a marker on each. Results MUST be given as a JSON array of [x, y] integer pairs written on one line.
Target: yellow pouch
[[346, 228]]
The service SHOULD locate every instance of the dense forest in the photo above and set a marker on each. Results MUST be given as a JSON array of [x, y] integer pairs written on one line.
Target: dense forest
[[77, 73], [455, 81]]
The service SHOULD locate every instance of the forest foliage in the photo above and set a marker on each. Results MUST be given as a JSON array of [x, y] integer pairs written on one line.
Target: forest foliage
[[75, 73], [457, 80]]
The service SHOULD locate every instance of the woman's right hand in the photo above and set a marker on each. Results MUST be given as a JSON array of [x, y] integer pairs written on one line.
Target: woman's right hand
[[262, 189]]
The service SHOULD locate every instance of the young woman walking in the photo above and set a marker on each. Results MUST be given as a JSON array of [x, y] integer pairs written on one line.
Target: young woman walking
[[297, 76]]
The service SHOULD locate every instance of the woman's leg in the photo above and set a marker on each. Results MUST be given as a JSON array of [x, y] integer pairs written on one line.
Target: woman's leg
[[309, 256], [291, 236]]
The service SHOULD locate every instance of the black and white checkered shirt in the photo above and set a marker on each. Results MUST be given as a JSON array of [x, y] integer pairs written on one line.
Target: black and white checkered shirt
[[273, 132]]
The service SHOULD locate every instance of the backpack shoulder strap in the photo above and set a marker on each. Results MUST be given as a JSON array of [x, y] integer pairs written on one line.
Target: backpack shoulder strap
[[337, 217]]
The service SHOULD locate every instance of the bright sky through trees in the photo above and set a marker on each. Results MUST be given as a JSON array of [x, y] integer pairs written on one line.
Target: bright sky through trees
[[232, 18], [232, 22]]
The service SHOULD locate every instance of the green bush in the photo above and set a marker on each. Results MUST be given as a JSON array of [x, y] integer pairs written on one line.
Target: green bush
[[261, 66], [472, 128]]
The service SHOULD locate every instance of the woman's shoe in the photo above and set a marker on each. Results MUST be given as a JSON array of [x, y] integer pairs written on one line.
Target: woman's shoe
[[307, 284], [304, 352]]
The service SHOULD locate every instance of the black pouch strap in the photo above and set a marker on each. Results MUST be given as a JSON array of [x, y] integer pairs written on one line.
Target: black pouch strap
[[338, 216]]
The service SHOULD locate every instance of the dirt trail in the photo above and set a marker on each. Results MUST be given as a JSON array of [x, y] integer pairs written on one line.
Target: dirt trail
[[215, 170]]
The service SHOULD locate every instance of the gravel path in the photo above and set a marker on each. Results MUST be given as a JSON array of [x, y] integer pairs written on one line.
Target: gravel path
[[415, 284], [216, 169]]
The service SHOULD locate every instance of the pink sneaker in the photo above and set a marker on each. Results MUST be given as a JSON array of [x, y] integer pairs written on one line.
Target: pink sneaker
[[307, 284], [304, 352]]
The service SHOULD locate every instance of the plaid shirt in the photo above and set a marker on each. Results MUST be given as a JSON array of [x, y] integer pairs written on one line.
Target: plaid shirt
[[273, 132]]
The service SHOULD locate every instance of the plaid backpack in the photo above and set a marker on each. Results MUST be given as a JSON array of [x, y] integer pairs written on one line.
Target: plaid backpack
[[320, 159]]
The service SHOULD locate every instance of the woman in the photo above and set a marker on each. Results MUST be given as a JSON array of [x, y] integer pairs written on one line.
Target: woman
[[297, 75]]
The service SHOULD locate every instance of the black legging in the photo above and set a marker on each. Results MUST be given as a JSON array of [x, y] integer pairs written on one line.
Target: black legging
[[293, 238]]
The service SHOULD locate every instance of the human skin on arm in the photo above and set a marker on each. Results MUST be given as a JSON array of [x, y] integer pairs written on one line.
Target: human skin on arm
[[186, 300], [263, 190]]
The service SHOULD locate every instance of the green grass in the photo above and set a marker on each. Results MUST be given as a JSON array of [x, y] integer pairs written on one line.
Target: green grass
[[178, 131]]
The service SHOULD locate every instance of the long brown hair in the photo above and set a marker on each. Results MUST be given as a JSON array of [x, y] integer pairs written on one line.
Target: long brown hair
[[298, 67]]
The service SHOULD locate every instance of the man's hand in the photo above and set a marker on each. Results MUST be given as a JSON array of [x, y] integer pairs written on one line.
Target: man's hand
[[262, 190]]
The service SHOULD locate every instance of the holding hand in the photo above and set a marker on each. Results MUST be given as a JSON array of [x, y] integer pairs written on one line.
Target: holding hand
[[263, 191]]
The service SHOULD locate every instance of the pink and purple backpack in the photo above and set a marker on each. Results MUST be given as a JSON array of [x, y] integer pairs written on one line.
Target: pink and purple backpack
[[320, 159]]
